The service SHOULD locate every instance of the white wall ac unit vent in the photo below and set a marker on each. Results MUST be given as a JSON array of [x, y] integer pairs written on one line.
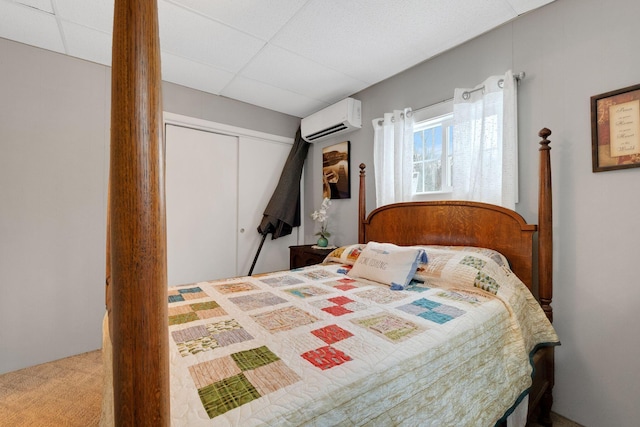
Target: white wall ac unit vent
[[341, 117]]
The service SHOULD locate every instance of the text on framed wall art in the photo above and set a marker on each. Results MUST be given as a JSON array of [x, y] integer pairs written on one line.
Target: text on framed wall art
[[615, 129]]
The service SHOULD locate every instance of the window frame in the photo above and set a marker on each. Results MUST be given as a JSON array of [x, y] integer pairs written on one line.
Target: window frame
[[424, 118]]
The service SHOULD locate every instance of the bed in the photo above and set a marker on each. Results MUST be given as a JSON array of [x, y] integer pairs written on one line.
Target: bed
[[461, 342]]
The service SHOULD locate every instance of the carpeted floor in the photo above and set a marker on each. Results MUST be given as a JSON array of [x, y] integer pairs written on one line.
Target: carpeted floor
[[68, 392]]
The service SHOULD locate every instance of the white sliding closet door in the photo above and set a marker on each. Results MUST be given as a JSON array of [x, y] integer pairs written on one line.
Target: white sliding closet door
[[259, 172], [217, 187], [202, 200]]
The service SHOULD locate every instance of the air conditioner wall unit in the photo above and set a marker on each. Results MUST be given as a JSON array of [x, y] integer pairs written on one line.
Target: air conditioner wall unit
[[342, 117]]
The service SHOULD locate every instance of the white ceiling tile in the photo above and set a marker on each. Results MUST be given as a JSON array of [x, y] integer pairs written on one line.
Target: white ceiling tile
[[374, 39], [30, 26], [44, 5], [361, 38], [192, 36], [442, 30], [281, 68], [260, 18], [522, 6], [194, 75], [293, 56], [96, 14], [271, 97], [86, 43]]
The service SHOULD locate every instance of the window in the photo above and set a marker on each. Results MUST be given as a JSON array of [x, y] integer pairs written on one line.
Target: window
[[433, 149]]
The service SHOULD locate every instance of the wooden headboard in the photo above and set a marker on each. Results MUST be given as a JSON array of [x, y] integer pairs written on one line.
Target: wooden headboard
[[455, 223], [464, 223]]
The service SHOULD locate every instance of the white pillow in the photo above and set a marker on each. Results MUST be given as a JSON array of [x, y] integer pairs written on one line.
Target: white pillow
[[387, 263]]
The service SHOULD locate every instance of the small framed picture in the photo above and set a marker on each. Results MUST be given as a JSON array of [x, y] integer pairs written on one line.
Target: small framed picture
[[615, 129], [335, 171]]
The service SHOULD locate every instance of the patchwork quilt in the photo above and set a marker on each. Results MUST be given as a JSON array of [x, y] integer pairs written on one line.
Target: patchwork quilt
[[313, 346]]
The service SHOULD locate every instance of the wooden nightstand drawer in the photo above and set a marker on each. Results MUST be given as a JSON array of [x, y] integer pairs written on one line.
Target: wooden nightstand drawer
[[303, 255]]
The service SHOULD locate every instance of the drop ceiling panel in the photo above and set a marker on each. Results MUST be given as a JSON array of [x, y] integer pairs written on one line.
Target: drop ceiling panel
[[523, 6], [86, 43], [97, 14], [274, 98], [373, 39], [44, 5], [292, 56], [29, 25], [192, 74], [344, 36], [471, 19], [260, 18], [281, 68], [196, 37]]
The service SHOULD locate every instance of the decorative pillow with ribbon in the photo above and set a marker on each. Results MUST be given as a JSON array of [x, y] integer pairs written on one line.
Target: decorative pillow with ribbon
[[345, 254], [388, 264]]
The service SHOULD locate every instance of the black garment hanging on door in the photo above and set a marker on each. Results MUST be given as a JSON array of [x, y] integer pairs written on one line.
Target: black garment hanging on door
[[282, 213]]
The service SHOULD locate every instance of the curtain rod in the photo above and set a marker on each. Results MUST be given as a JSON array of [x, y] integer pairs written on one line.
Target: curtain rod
[[466, 94]]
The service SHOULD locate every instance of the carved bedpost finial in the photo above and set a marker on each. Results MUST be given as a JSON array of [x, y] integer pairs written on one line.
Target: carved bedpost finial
[[362, 167], [544, 134]]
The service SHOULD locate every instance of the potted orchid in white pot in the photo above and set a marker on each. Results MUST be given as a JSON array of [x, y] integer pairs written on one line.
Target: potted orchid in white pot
[[322, 217]]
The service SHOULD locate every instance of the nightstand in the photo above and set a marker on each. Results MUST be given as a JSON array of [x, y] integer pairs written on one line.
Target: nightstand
[[303, 255]]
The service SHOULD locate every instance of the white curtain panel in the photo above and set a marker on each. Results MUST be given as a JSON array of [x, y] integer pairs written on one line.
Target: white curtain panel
[[393, 156], [485, 156]]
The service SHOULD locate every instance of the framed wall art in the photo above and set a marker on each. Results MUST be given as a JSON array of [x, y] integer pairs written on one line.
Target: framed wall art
[[615, 129], [335, 171]]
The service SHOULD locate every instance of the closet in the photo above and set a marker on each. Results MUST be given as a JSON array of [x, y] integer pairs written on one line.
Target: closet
[[219, 179]]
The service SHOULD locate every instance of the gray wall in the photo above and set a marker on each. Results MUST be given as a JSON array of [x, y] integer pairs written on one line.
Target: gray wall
[[570, 51], [54, 150]]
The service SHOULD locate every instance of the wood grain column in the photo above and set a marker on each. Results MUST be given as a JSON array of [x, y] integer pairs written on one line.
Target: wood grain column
[[362, 205], [545, 227], [137, 220]]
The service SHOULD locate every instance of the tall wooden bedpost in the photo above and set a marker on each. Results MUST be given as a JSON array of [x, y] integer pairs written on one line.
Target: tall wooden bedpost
[[545, 227], [362, 205], [137, 223], [545, 272]]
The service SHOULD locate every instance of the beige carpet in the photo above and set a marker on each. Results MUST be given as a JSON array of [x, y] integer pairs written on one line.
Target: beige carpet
[[66, 392]]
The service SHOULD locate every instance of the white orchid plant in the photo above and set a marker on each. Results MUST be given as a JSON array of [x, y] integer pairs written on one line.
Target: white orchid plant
[[321, 216]]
